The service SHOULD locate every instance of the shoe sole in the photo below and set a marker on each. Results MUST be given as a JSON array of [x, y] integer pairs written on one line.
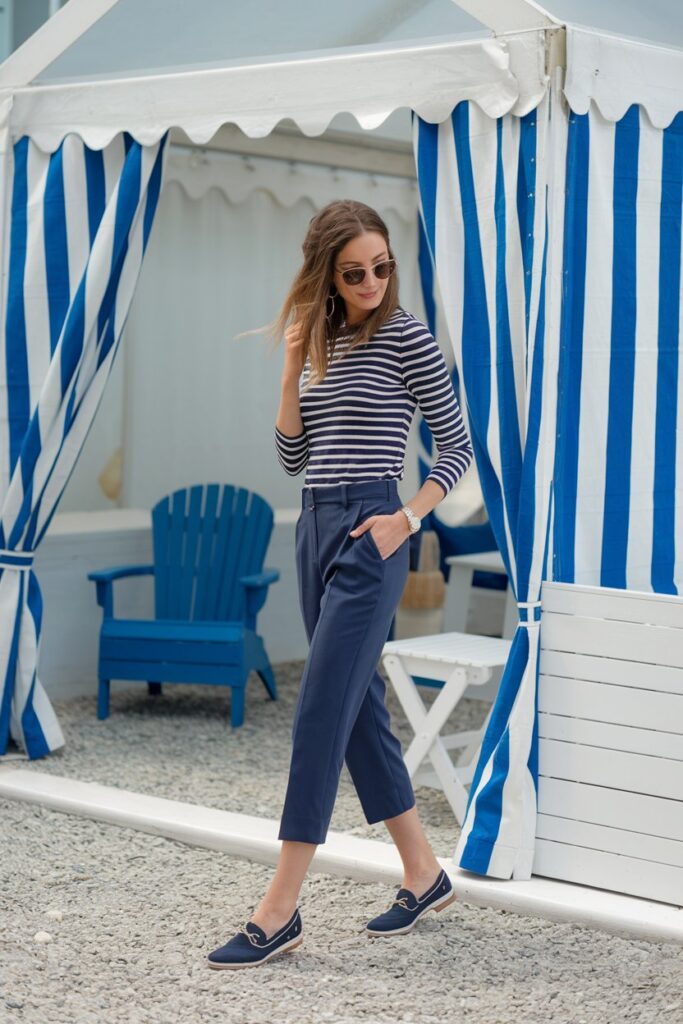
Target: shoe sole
[[439, 905], [287, 948]]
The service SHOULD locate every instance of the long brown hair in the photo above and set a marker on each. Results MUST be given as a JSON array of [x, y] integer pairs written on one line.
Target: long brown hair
[[310, 297]]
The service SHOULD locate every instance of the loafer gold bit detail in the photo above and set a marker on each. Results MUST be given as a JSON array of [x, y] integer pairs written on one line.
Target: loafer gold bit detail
[[407, 908], [250, 946]]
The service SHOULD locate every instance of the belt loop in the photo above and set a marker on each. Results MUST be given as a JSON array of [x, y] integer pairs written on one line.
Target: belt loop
[[344, 495], [388, 487]]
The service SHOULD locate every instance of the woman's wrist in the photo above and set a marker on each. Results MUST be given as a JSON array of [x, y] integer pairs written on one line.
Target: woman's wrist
[[403, 519], [426, 499]]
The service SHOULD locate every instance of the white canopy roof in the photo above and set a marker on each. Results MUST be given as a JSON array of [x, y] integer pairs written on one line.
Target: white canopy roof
[[369, 82], [99, 67]]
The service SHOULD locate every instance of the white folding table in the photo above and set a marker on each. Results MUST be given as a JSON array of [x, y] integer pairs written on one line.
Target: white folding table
[[458, 660]]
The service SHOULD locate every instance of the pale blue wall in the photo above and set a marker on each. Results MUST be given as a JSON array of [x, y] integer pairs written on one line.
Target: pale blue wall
[[19, 19]]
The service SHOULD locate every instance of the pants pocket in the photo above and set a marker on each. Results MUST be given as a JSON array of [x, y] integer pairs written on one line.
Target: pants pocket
[[373, 544], [379, 507]]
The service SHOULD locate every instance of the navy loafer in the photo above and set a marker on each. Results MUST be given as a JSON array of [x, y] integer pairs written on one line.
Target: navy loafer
[[250, 946], [408, 908]]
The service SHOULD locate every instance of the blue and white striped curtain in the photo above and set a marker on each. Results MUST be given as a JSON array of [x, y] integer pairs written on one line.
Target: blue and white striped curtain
[[485, 225], [77, 225], [618, 516], [543, 230]]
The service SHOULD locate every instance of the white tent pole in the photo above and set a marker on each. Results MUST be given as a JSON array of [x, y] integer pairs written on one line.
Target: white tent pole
[[509, 15], [53, 37]]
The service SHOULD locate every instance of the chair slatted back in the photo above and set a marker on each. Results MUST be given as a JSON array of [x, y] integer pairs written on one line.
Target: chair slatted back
[[204, 538]]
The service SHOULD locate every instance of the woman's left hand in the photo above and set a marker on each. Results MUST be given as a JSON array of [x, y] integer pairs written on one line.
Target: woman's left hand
[[388, 532]]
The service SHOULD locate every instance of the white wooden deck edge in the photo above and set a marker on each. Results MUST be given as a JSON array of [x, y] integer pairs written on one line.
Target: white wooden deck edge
[[342, 854]]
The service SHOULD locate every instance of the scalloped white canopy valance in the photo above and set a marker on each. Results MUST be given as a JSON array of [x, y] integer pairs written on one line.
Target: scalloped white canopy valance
[[615, 73], [498, 74], [501, 74]]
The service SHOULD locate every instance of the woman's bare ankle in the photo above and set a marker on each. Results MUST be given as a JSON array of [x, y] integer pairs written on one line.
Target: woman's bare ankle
[[420, 874], [272, 914]]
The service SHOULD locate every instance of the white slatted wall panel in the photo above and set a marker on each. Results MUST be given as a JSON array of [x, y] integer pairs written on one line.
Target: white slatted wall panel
[[610, 797]]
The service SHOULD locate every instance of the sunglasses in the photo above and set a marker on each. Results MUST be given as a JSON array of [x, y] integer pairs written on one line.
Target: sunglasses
[[356, 275]]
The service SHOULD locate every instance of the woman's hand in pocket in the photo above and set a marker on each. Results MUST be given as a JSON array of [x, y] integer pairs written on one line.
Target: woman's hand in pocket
[[388, 532]]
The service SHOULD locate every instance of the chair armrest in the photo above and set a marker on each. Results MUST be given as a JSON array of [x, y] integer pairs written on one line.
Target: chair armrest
[[104, 582], [256, 586], [119, 571], [260, 579]]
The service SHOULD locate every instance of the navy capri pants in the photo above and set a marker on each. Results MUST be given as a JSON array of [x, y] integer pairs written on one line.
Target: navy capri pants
[[348, 595]]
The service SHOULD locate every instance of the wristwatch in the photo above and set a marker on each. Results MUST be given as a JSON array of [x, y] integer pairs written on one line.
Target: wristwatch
[[414, 522]]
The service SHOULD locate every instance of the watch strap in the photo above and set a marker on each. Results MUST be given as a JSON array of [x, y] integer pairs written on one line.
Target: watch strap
[[414, 520]]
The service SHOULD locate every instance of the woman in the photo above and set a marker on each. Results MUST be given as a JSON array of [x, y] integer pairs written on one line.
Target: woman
[[366, 364]]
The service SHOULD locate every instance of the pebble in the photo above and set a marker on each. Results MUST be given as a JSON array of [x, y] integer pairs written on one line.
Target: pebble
[[42, 937], [139, 928]]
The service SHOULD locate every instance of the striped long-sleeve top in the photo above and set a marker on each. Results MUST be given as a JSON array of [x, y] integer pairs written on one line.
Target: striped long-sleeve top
[[356, 420]]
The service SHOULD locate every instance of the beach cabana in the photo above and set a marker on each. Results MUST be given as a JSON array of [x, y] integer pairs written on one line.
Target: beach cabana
[[549, 161]]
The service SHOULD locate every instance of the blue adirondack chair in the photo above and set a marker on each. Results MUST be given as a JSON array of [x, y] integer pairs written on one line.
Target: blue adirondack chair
[[209, 543]]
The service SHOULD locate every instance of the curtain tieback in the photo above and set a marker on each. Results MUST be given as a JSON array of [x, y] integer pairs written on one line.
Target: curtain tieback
[[16, 559], [525, 607]]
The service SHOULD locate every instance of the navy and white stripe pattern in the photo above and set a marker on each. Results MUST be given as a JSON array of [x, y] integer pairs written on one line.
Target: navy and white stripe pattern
[[483, 204], [356, 420], [80, 222], [544, 229], [618, 519]]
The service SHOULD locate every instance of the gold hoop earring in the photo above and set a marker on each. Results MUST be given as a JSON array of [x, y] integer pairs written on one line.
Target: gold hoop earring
[[332, 296]]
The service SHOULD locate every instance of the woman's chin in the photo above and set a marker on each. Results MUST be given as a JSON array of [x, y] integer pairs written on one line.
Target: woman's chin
[[363, 308]]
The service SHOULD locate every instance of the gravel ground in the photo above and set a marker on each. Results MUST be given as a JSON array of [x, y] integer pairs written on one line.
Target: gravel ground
[[131, 916]]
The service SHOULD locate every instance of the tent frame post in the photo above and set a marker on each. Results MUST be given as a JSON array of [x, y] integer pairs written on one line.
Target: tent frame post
[[555, 49]]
